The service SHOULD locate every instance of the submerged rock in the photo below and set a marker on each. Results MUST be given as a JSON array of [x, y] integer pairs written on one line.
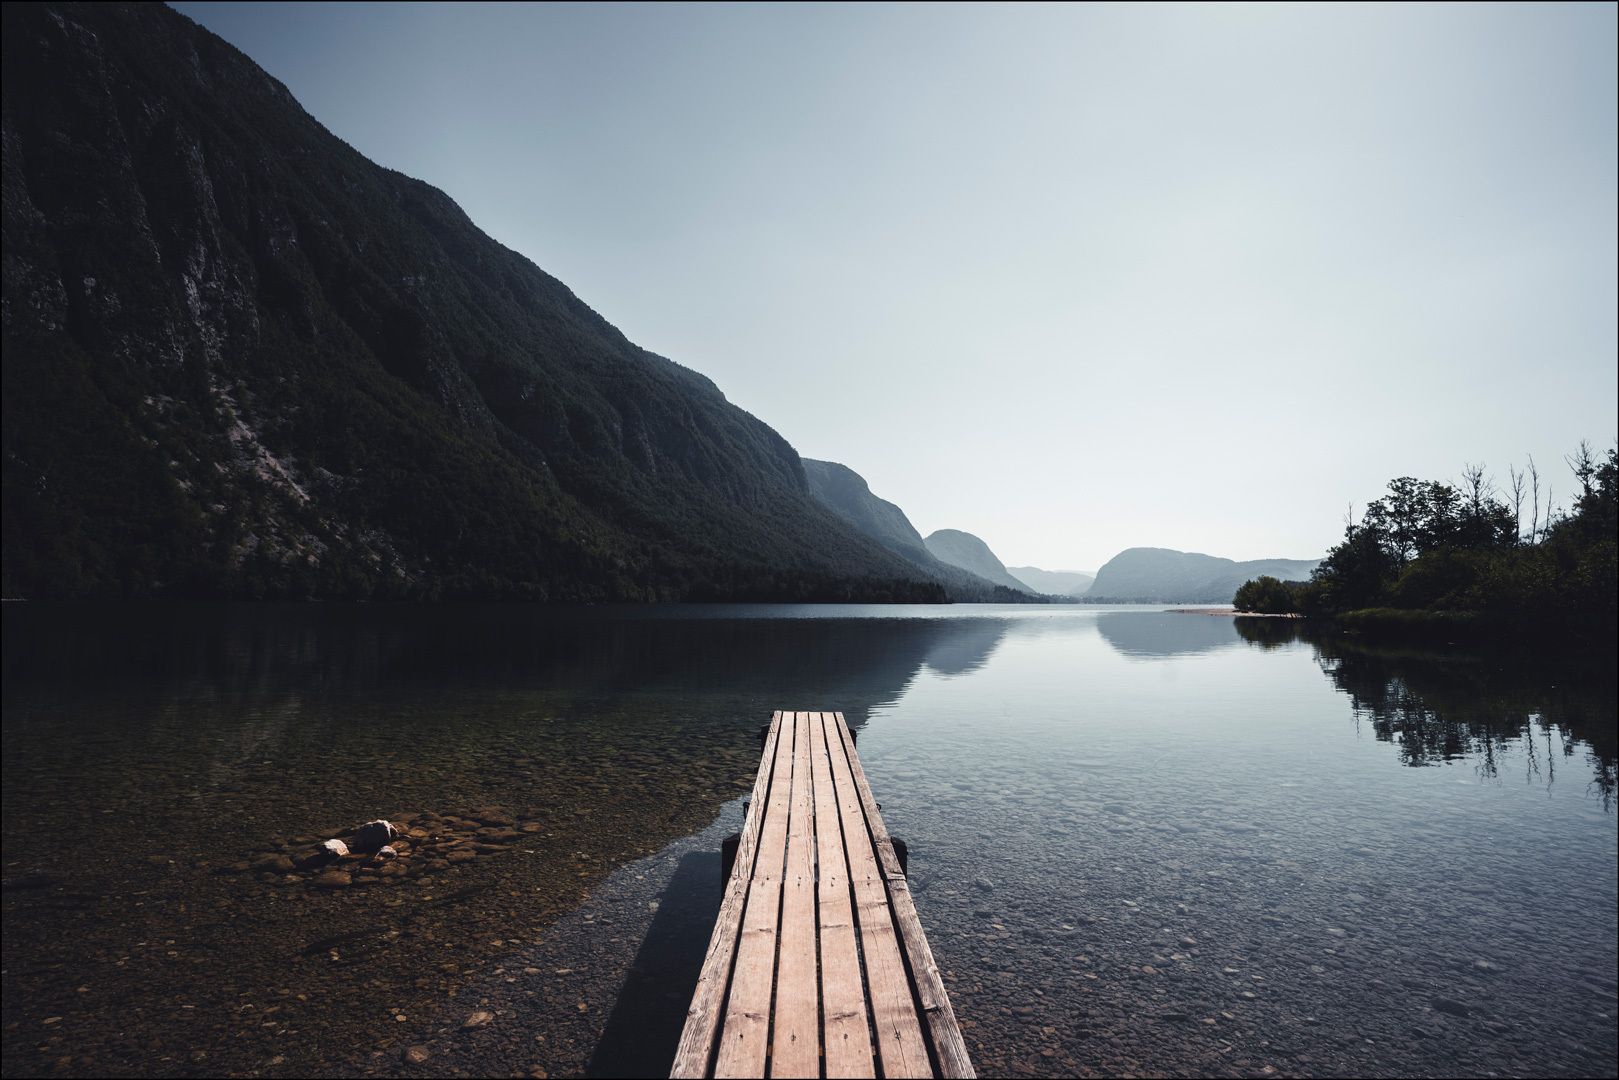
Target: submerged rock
[[274, 864], [372, 836]]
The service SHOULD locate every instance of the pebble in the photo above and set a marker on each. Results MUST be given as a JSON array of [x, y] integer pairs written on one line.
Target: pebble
[[1449, 1005], [477, 1020], [415, 1055], [333, 879]]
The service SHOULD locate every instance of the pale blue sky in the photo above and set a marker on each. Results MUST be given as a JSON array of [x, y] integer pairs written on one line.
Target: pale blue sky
[[1073, 279]]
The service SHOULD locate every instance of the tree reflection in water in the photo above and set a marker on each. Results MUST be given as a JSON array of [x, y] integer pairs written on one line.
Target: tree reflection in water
[[1475, 703]]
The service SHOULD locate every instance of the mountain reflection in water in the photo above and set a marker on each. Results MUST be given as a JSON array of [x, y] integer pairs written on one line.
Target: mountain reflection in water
[[1118, 819], [1148, 634], [815, 662]]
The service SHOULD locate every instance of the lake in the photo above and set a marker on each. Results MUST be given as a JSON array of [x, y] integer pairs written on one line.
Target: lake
[[1142, 842]]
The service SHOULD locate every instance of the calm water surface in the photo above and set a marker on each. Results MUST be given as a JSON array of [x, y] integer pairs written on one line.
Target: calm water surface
[[1141, 842]]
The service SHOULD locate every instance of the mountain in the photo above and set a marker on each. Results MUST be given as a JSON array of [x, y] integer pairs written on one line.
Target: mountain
[[240, 359], [1053, 582], [1161, 575], [965, 550], [848, 495]]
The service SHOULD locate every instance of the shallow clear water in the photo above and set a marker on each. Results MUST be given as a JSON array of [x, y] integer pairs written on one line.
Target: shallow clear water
[[1141, 841]]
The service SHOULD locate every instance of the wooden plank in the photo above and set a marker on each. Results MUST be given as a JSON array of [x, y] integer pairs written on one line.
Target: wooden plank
[[900, 1045], [744, 1034], [702, 1028], [796, 1024], [845, 1034], [948, 1043]]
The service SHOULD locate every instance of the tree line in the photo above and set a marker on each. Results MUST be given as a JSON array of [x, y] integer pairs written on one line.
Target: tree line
[[1500, 557]]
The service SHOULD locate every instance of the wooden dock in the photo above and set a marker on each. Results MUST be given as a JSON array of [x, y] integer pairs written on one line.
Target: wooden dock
[[818, 965]]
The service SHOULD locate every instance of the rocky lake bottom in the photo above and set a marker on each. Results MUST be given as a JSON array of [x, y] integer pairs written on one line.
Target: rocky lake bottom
[[1148, 847]]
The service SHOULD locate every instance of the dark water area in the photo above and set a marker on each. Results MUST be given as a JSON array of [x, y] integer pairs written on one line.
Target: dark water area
[[1142, 842]]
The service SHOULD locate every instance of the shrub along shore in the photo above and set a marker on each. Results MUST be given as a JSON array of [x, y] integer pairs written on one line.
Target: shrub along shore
[[1435, 560]]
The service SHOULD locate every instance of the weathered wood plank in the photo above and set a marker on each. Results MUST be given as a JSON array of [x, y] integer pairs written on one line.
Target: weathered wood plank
[[948, 1043], [744, 1034], [845, 1033], [900, 1045], [697, 1040], [796, 1028], [784, 963]]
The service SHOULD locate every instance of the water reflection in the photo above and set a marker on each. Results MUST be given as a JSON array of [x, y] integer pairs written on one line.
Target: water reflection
[[1442, 704], [1098, 848], [1149, 634], [279, 651], [965, 646]]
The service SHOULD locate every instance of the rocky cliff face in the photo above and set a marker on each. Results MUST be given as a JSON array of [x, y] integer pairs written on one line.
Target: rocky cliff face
[[241, 359], [1163, 575]]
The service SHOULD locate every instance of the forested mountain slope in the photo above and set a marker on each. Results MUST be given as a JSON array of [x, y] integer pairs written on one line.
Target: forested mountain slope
[[847, 493], [240, 359], [967, 551]]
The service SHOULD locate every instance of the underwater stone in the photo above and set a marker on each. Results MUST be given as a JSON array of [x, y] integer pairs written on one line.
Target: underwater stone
[[372, 836]]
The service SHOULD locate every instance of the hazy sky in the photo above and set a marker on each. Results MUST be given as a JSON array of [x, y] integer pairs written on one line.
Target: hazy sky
[[1073, 279]]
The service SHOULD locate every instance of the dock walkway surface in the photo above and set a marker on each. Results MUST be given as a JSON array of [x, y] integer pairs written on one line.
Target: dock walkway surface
[[818, 965]]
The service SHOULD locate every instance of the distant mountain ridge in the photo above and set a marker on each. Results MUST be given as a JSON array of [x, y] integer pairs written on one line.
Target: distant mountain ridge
[[1167, 576], [967, 551], [847, 494], [1053, 582]]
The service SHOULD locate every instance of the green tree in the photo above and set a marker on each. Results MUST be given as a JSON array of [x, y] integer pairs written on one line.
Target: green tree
[[1267, 596]]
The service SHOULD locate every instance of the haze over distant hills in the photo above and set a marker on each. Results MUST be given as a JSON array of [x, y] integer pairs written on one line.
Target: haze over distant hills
[[848, 494], [967, 551], [1162, 575], [1053, 582], [971, 571]]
